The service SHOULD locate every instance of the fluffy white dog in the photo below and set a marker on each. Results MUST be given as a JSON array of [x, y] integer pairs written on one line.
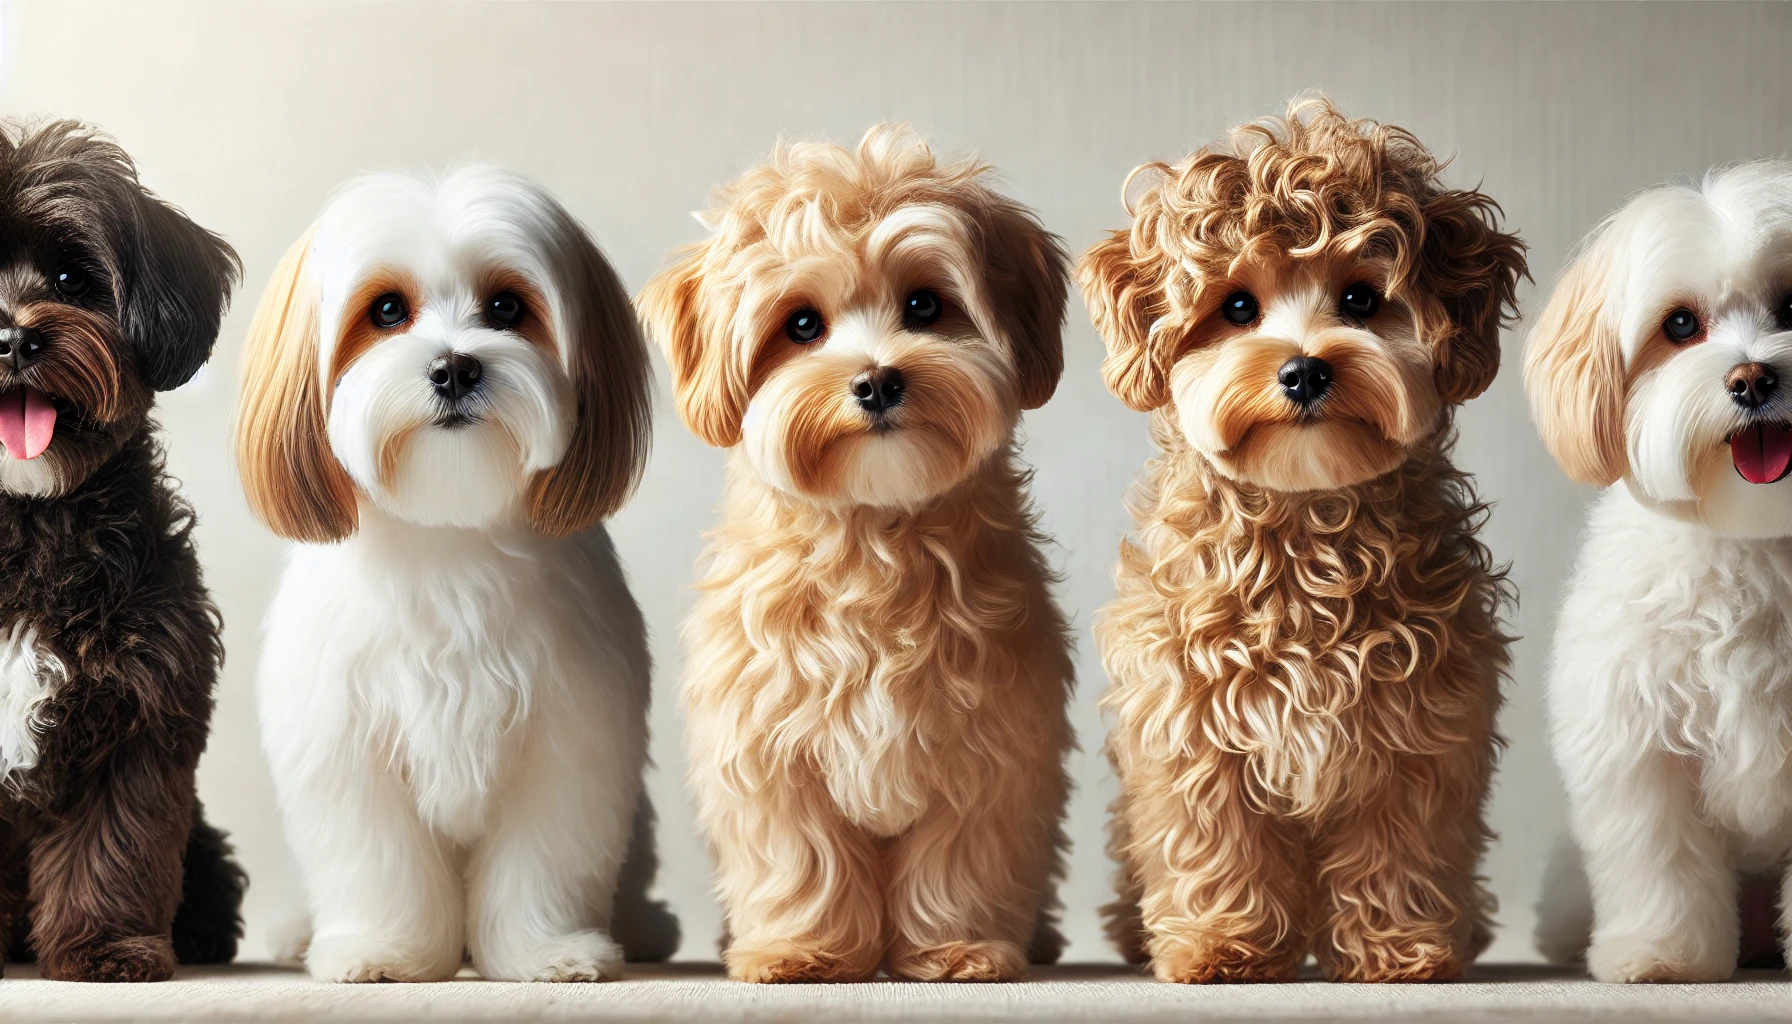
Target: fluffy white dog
[[1663, 367], [445, 390]]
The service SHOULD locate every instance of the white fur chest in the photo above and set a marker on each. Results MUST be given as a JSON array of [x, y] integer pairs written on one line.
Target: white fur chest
[[1700, 628], [29, 678], [438, 643], [872, 751]]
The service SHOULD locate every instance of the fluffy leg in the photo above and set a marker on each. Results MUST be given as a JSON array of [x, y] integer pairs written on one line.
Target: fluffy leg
[[386, 898], [209, 921], [1397, 873], [544, 877], [799, 884], [967, 882], [106, 873], [1664, 888], [1223, 886], [1121, 918], [646, 928]]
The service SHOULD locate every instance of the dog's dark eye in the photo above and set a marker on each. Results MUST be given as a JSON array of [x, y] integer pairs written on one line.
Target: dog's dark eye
[[1681, 326], [920, 309], [1783, 315], [805, 325], [505, 310], [1359, 301], [390, 310], [71, 280], [1240, 308]]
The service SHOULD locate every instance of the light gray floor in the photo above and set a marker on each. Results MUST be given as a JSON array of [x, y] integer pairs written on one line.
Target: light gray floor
[[693, 992]]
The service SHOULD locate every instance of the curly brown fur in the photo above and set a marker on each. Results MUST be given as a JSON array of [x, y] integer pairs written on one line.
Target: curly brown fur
[[1305, 649], [100, 829]]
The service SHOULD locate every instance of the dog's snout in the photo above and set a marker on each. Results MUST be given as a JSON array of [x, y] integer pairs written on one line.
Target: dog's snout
[[1751, 385], [455, 375], [20, 346], [879, 389], [1304, 379]]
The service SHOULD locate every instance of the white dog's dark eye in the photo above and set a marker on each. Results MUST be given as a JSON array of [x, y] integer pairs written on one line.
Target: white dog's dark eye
[[1783, 315], [1240, 308], [389, 310], [1682, 325], [805, 325], [1359, 301], [505, 310], [920, 309], [71, 280]]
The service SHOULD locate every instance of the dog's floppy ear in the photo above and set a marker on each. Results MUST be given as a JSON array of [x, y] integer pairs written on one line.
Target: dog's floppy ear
[[711, 396], [1028, 277], [1121, 289], [292, 479], [1472, 268], [174, 282], [1574, 373], [606, 358]]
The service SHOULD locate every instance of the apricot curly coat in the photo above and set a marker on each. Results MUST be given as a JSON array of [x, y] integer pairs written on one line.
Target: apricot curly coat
[[1304, 682], [876, 677]]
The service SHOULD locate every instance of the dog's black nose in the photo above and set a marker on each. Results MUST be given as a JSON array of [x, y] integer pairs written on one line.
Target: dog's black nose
[[20, 346], [878, 389], [1751, 385], [455, 375], [1304, 379]]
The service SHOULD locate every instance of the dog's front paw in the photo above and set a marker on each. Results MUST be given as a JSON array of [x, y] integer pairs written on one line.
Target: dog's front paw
[[1202, 960], [960, 961], [782, 962], [1631, 959], [581, 956], [1412, 961], [362, 958], [139, 958]]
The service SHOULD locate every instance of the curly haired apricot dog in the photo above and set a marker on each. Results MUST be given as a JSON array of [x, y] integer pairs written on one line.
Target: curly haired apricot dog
[[1305, 650], [876, 676]]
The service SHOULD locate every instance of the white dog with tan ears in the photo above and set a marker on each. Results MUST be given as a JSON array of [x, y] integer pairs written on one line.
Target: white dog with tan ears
[[1660, 371], [445, 391]]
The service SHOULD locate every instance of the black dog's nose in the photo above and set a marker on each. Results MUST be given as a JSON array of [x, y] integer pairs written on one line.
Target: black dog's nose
[[455, 375], [1304, 379], [20, 346], [1751, 385], [878, 389]]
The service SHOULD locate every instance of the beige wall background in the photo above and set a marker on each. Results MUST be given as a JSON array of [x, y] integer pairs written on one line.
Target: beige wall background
[[247, 115]]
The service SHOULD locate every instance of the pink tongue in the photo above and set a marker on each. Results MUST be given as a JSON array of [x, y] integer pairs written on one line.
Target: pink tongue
[[27, 422], [1762, 453]]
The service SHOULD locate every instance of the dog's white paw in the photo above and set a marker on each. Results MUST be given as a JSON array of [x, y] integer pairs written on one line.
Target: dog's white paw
[[362, 958], [581, 956], [1630, 959]]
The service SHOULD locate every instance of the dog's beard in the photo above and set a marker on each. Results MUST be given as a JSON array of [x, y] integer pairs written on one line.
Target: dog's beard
[[70, 410], [423, 461], [1678, 427], [1233, 410], [805, 433]]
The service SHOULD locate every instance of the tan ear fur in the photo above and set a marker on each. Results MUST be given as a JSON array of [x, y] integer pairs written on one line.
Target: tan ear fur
[[710, 400], [1029, 281], [1121, 290], [1574, 374], [613, 385], [291, 477]]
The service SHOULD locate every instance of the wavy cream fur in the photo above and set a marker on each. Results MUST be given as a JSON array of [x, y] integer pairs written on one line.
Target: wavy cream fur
[[876, 677]]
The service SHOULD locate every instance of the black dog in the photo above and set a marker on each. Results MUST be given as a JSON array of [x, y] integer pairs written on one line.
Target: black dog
[[109, 644]]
